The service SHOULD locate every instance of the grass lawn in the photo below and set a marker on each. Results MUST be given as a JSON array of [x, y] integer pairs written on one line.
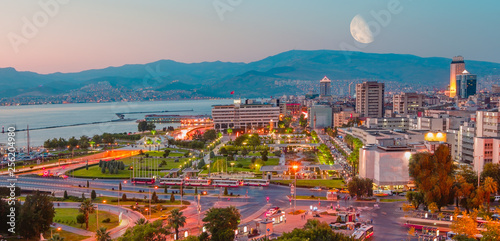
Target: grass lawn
[[314, 183], [311, 198], [66, 235], [243, 161], [67, 216], [95, 171]]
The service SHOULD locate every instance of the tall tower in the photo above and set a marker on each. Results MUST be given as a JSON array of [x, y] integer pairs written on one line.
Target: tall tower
[[370, 99], [457, 66], [466, 84], [325, 87]]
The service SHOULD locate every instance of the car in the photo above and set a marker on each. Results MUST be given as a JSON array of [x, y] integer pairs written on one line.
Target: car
[[315, 189], [163, 217], [272, 211], [403, 194]]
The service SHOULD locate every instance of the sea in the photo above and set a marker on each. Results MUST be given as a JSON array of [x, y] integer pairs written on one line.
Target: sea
[[40, 116]]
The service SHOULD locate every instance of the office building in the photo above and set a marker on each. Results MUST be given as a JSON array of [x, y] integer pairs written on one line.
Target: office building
[[457, 66], [325, 87], [467, 83], [320, 116], [343, 118], [486, 150], [245, 116], [407, 103], [370, 99]]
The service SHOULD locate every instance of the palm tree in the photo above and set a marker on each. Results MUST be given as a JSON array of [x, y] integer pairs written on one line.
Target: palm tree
[[141, 221], [102, 235], [490, 186], [176, 220], [86, 207], [56, 237]]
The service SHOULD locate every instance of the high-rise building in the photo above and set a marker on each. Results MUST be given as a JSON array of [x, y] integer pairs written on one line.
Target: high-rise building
[[466, 84], [325, 87], [370, 99], [407, 103], [457, 66]]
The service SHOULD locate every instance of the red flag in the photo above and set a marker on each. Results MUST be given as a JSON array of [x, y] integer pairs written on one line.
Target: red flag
[[232, 92]]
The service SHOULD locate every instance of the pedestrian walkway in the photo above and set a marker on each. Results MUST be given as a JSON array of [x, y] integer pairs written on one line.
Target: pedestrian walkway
[[73, 229]]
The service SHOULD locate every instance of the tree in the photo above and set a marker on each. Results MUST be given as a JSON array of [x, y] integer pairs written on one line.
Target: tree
[[201, 164], [433, 175], [176, 220], [86, 208], [225, 191], [210, 135], [65, 195], [212, 154], [229, 131], [465, 225], [102, 234], [492, 231], [360, 187], [223, 151], [88, 184], [124, 197], [491, 170], [56, 237], [264, 154], [415, 198], [314, 230], [93, 195], [489, 187], [36, 215], [141, 221], [166, 153], [172, 198], [80, 218], [154, 197], [146, 232], [120, 186], [221, 222]]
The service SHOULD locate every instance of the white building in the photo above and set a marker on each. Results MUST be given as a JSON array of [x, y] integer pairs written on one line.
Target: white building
[[245, 116], [387, 166]]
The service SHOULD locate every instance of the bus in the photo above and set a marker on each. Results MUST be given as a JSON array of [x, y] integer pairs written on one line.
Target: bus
[[143, 180], [256, 182], [197, 182], [363, 233], [450, 235], [171, 181], [225, 183]]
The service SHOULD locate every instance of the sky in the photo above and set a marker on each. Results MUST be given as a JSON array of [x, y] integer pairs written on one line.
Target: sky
[[47, 36]]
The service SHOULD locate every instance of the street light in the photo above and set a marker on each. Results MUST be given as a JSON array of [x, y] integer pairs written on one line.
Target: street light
[[295, 167], [232, 167]]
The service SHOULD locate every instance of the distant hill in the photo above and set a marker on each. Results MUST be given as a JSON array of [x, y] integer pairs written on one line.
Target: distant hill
[[255, 79]]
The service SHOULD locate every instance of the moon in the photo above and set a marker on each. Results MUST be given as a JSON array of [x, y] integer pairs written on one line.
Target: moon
[[360, 30]]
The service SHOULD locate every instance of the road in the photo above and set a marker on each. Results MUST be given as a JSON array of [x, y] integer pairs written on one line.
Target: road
[[385, 219]]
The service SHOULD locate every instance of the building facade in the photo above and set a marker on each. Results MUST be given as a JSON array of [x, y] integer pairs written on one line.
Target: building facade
[[387, 166], [370, 99], [467, 83], [325, 87], [457, 66], [486, 150], [320, 116], [407, 103], [245, 116]]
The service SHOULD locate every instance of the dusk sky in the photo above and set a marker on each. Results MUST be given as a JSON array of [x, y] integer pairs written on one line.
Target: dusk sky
[[91, 34]]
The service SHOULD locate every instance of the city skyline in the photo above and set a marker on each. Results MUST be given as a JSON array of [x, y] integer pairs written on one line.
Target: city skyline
[[131, 33]]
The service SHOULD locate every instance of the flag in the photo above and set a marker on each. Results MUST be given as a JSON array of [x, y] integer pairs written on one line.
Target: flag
[[232, 92]]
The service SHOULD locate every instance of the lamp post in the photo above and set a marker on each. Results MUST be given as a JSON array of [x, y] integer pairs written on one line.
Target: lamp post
[[232, 167], [295, 167]]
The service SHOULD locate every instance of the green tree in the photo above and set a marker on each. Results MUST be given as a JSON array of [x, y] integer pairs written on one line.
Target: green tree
[[229, 131], [201, 164], [172, 198], [124, 197], [93, 195], [176, 220], [210, 135], [314, 230], [154, 197], [415, 198], [225, 191], [88, 184], [221, 222], [141, 221], [146, 232], [212, 154], [223, 151], [86, 208], [120, 186], [433, 175], [491, 170], [80, 218], [65, 195], [102, 234], [36, 215]]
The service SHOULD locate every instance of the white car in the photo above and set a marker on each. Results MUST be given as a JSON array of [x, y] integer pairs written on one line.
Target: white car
[[315, 189]]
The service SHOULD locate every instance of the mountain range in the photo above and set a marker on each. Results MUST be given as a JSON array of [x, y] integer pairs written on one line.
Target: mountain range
[[291, 72]]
